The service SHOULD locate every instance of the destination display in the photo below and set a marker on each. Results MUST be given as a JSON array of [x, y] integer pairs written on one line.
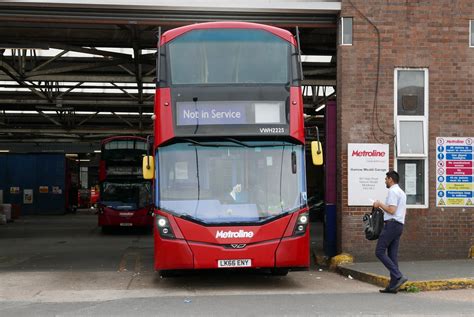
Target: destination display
[[229, 113], [455, 172]]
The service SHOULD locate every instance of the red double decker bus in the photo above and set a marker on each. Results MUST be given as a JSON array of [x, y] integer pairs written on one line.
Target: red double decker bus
[[229, 150], [125, 198]]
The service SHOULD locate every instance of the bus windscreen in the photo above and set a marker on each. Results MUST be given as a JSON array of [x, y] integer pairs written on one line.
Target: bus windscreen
[[126, 195], [224, 182]]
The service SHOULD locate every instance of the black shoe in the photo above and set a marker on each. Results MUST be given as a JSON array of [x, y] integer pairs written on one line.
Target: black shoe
[[388, 291], [400, 282]]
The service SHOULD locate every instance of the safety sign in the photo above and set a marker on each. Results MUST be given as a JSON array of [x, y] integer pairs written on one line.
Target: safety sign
[[455, 172]]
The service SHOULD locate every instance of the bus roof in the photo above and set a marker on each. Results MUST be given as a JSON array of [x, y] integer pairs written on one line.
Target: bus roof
[[172, 34]]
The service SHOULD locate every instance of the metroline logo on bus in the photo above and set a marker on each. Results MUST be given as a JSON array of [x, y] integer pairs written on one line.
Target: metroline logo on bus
[[454, 172], [234, 234]]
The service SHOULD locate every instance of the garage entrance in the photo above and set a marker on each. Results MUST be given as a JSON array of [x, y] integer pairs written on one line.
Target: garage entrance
[[73, 75]]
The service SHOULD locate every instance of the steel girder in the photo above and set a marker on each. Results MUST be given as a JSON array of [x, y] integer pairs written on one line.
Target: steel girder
[[99, 80]]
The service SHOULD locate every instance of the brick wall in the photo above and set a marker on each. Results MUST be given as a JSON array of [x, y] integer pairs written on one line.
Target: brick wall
[[430, 34]]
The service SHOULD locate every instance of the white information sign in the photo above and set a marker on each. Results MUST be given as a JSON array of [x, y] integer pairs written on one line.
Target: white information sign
[[454, 172], [367, 165], [28, 196], [410, 179]]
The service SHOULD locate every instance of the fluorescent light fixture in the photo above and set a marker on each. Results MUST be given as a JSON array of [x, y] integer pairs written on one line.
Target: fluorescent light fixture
[[320, 108], [316, 58], [97, 151], [71, 155], [4, 151], [83, 160]]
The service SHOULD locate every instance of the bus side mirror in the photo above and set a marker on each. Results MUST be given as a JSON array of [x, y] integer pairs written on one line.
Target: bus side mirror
[[148, 167], [317, 153]]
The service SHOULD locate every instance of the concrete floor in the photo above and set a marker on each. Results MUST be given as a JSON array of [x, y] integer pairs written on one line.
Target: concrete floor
[[71, 243], [43, 256], [74, 242], [64, 265]]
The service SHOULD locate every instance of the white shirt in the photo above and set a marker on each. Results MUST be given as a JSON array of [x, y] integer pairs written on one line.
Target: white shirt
[[396, 197]]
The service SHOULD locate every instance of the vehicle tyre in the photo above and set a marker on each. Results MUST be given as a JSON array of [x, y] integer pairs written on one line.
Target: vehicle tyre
[[105, 229], [279, 272]]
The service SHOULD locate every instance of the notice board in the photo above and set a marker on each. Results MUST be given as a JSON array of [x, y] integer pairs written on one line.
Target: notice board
[[454, 172], [367, 166]]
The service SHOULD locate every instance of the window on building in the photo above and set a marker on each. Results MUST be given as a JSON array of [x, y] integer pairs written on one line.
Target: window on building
[[411, 92], [411, 137], [345, 34], [412, 176], [471, 33], [411, 119]]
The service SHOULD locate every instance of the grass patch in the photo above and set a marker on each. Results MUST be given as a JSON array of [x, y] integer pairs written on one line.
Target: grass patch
[[412, 289]]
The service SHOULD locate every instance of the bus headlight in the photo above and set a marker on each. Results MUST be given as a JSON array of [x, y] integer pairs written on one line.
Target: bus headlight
[[301, 224], [164, 227], [162, 222]]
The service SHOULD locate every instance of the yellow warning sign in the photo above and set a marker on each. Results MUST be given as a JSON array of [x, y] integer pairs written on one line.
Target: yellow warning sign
[[468, 202], [441, 186], [441, 202], [459, 186], [455, 201]]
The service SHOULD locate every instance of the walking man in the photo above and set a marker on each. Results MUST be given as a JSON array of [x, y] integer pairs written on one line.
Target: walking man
[[394, 218]]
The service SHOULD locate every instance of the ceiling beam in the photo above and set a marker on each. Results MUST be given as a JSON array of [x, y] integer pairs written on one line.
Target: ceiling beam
[[78, 131]]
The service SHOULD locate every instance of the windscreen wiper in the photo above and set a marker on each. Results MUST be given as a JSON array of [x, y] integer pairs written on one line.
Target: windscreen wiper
[[283, 214], [189, 217]]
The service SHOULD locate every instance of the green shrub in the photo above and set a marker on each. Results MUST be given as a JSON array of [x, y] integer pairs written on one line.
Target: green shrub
[[412, 289]]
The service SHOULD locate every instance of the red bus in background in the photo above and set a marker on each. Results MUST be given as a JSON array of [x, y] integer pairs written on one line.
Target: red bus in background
[[230, 185], [94, 196], [125, 198]]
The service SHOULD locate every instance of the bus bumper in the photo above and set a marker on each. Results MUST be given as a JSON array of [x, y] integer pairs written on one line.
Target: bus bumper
[[289, 252], [115, 218]]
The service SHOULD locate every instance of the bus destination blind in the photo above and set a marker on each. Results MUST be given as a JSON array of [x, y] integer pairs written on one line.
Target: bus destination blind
[[228, 113]]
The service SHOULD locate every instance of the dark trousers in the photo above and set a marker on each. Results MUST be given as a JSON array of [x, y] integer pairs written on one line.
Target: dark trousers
[[387, 249]]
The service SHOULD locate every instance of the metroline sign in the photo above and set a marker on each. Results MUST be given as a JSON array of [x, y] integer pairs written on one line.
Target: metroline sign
[[367, 165], [373, 153]]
